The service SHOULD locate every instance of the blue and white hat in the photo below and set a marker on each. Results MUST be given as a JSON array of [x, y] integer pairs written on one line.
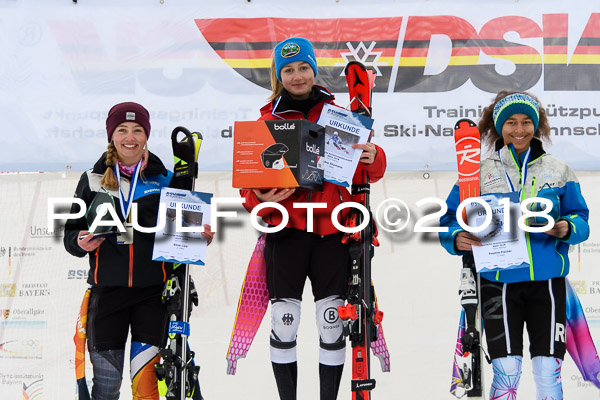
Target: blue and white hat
[[516, 103], [292, 50]]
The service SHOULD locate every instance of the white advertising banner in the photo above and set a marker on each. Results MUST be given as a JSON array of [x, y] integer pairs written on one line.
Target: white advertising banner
[[204, 65]]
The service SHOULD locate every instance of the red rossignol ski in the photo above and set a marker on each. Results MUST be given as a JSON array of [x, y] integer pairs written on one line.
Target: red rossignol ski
[[468, 157], [361, 316], [467, 376]]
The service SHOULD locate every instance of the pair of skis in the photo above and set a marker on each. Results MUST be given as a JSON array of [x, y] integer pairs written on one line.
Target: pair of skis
[[360, 316], [177, 373]]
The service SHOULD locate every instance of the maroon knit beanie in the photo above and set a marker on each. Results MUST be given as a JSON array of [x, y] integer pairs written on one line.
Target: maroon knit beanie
[[127, 112]]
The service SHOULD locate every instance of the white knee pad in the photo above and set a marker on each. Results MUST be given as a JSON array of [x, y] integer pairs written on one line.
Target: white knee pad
[[285, 319], [507, 374], [332, 349], [546, 374]]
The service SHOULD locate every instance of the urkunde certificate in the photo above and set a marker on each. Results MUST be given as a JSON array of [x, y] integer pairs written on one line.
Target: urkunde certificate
[[503, 242], [182, 216], [343, 128]]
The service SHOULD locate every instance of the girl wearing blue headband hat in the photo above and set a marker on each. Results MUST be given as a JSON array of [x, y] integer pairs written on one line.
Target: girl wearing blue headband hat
[[507, 114], [293, 254], [535, 294], [294, 68]]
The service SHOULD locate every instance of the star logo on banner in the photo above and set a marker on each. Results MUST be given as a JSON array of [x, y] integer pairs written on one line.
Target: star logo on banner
[[365, 55]]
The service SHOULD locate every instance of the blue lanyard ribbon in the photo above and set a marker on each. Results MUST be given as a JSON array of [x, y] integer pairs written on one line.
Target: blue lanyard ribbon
[[126, 204]]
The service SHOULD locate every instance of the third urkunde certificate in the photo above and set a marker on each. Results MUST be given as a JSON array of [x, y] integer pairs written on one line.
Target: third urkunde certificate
[[343, 128], [503, 242], [180, 239]]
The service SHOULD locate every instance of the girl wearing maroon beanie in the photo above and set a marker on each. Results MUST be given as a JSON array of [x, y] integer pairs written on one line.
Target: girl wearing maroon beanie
[[126, 284]]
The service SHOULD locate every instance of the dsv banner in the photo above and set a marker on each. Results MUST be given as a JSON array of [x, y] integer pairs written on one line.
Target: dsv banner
[[464, 52]]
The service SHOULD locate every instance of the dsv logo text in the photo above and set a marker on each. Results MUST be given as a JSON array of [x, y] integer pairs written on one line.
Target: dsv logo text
[[439, 53]]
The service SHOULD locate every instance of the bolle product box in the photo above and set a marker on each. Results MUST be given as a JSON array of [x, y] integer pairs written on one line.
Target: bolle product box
[[278, 154]]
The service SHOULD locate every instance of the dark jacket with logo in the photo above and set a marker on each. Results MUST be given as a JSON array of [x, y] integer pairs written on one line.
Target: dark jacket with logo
[[124, 265], [285, 108]]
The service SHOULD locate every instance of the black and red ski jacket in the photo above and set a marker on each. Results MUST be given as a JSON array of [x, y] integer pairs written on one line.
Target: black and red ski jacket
[[123, 265], [332, 195]]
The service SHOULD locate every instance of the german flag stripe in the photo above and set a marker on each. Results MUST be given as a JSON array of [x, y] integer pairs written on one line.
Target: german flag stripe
[[556, 41], [414, 53], [332, 51], [471, 60], [584, 59], [589, 41], [509, 51], [563, 41], [322, 62], [458, 43], [246, 44], [492, 51], [587, 51], [563, 59], [318, 45], [274, 30]]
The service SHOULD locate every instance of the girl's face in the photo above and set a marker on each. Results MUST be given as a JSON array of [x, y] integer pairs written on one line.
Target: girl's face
[[518, 130], [298, 79], [129, 139]]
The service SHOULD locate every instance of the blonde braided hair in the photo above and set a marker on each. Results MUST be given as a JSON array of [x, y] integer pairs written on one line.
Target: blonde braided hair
[[109, 180]]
